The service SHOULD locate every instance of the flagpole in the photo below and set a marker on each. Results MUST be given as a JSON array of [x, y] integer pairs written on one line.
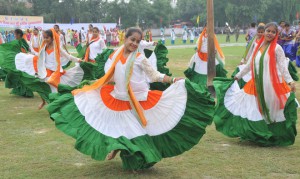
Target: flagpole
[[211, 65]]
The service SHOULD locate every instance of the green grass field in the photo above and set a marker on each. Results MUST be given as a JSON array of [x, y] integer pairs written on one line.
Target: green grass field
[[31, 146]]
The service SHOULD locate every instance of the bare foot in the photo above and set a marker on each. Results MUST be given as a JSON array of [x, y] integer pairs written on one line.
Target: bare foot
[[112, 154], [42, 104]]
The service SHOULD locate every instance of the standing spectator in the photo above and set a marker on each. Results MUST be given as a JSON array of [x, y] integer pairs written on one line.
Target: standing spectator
[[237, 32], [121, 36], [28, 34], [162, 35], [82, 35], [68, 39], [184, 35], [227, 31], [62, 39], [288, 36], [163, 40], [89, 34], [12, 35], [115, 38], [76, 38], [72, 37], [251, 32], [103, 35], [6, 36], [108, 38], [173, 36], [192, 36], [280, 29]]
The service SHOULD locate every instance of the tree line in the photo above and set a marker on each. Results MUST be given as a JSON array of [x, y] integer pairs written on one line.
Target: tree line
[[153, 13]]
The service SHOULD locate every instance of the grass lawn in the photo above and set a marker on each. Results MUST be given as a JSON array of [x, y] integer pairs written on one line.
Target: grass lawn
[[31, 146]]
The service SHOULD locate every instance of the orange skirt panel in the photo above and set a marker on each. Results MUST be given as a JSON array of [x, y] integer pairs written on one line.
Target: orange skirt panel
[[249, 88], [119, 105], [203, 56], [35, 61], [49, 72]]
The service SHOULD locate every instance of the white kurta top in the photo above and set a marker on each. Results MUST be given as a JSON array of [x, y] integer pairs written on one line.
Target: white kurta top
[[82, 35], [192, 36], [61, 40], [96, 48], [184, 35], [138, 81], [173, 35], [204, 45], [144, 45], [282, 66], [89, 36], [35, 41], [50, 60]]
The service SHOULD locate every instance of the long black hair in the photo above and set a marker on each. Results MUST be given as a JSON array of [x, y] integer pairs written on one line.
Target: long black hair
[[19, 32], [274, 24], [132, 30], [56, 26], [49, 33]]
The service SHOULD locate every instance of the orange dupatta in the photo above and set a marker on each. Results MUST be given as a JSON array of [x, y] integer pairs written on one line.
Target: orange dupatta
[[217, 46], [87, 52]]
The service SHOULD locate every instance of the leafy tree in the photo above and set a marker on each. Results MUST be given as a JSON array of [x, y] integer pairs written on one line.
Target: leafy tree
[[154, 13]]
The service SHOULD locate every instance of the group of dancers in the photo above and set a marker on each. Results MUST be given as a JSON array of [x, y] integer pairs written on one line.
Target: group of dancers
[[126, 101]]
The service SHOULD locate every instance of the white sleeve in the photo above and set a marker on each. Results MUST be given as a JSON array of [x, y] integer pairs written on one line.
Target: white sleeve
[[63, 53], [251, 50], [102, 44], [146, 45], [153, 75], [32, 50], [282, 65], [245, 70], [62, 39]]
